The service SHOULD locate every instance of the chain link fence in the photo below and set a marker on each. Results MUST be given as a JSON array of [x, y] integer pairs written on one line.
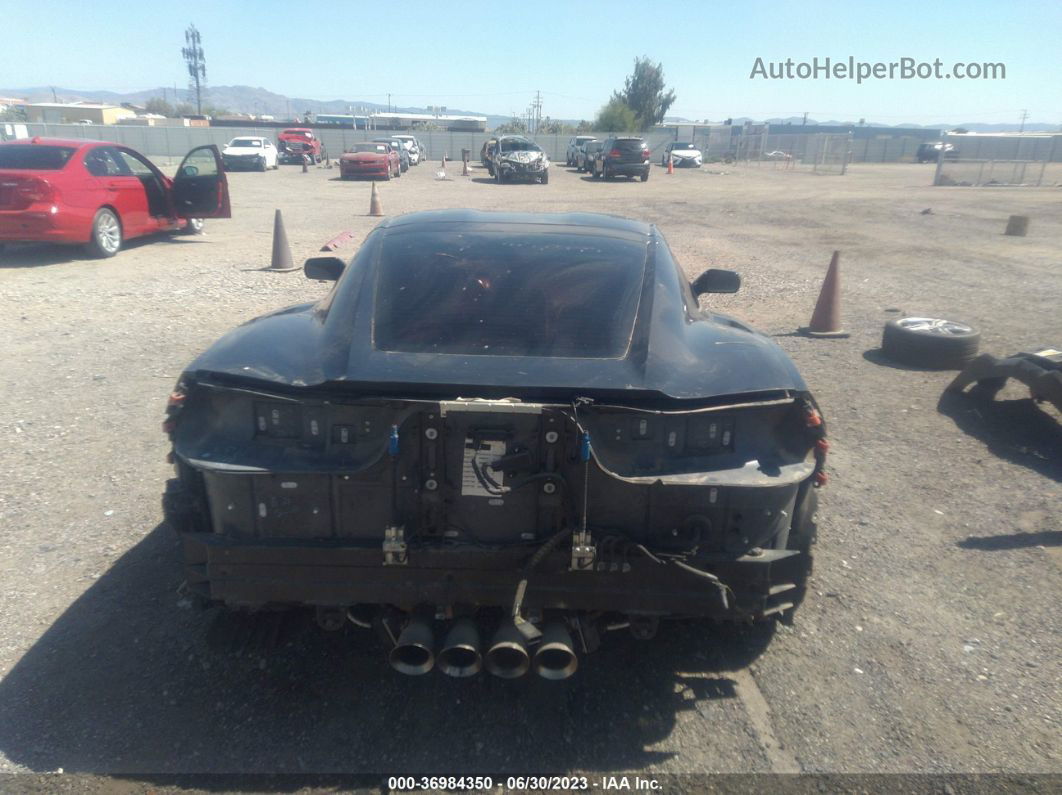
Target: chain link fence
[[167, 144], [815, 153], [1014, 161]]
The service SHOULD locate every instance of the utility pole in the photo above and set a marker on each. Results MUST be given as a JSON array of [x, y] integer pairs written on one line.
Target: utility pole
[[388, 103], [536, 116], [805, 122], [54, 98], [1024, 116], [193, 57]]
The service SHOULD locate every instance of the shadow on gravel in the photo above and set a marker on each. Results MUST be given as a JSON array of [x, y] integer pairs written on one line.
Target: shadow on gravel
[[1047, 538], [125, 682], [492, 181], [1015, 430], [875, 356], [33, 255]]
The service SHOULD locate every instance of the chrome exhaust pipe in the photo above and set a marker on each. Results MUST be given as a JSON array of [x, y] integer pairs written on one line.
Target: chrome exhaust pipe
[[460, 655], [413, 653], [555, 657], [507, 656]]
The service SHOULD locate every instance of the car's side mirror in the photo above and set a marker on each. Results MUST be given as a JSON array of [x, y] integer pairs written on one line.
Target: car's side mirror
[[324, 269], [715, 280]]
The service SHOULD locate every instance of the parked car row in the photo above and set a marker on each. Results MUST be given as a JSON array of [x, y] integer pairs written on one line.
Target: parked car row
[[374, 159], [623, 155], [381, 158], [620, 156]]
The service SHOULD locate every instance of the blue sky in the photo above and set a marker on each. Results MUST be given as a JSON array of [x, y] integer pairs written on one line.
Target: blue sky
[[492, 57]]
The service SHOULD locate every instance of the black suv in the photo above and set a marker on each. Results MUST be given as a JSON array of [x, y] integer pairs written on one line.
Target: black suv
[[628, 156]]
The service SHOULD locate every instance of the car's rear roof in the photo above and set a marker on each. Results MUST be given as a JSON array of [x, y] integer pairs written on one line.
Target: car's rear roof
[[587, 221]]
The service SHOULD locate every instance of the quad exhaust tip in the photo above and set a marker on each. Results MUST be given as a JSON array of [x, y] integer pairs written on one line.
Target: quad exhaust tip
[[555, 657], [413, 653], [508, 657], [461, 655]]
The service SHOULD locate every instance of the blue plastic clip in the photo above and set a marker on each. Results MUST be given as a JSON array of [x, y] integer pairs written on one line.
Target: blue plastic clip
[[584, 446], [392, 445]]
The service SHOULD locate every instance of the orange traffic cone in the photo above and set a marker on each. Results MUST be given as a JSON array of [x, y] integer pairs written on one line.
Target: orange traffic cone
[[374, 202], [826, 319], [281, 260], [670, 164]]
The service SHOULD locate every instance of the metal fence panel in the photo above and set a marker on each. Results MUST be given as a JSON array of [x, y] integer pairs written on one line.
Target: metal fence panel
[[817, 153], [170, 143], [1018, 161]]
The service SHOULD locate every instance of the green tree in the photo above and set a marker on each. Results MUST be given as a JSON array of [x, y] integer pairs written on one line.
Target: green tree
[[14, 113], [183, 109], [550, 126], [158, 105], [643, 92], [616, 116], [584, 127], [513, 127]]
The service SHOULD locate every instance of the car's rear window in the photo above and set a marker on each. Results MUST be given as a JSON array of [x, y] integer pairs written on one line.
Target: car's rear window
[[35, 156], [381, 148], [479, 292], [252, 142], [630, 144]]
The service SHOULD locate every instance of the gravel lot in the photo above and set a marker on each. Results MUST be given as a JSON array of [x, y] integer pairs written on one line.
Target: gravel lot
[[931, 637]]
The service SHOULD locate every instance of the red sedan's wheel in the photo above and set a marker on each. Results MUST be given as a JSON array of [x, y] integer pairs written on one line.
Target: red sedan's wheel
[[106, 238]]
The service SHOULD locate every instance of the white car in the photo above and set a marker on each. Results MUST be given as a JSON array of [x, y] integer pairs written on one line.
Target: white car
[[249, 152], [412, 146], [682, 154]]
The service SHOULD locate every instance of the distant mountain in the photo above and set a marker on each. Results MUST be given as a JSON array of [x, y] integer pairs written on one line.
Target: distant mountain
[[262, 102], [972, 126], [237, 99]]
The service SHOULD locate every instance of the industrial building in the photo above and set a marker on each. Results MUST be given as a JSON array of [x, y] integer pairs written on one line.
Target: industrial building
[[413, 121], [76, 113]]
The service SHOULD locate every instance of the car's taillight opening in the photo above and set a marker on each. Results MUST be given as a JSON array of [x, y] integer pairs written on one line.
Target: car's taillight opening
[[36, 189]]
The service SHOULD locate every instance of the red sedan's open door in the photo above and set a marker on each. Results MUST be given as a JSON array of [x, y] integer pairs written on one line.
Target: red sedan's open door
[[200, 189]]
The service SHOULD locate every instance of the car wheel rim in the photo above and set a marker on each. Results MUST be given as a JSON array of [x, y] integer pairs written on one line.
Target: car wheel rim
[[108, 234], [932, 325]]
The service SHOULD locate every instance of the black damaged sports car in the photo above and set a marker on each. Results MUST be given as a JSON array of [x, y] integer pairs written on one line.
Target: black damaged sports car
[[511, 424]]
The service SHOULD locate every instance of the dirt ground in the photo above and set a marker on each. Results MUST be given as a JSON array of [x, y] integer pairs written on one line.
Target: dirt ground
[[930, 640]]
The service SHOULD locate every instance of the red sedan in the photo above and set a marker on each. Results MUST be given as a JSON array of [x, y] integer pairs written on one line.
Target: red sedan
[[100, 194], [370, 160]]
